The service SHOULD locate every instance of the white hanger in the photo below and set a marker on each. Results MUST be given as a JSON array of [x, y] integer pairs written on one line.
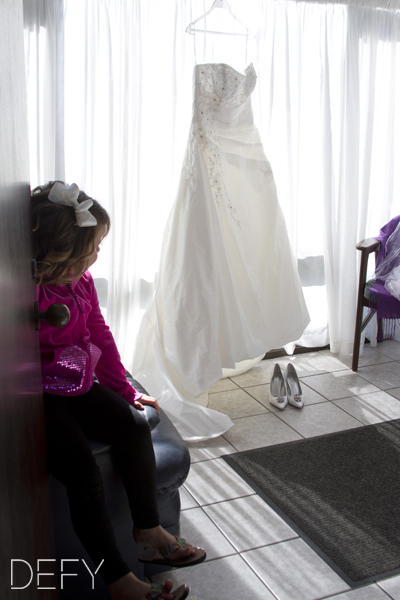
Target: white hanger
[[217, 4]]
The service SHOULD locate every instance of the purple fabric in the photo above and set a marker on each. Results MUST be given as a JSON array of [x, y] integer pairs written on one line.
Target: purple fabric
[[388, 307], [71, 354], [383, 236]]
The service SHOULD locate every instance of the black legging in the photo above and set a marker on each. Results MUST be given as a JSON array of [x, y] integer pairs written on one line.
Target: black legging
[[102, 415]]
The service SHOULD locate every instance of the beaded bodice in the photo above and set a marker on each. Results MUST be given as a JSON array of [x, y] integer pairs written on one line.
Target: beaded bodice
[[222, 123], [221, 85]]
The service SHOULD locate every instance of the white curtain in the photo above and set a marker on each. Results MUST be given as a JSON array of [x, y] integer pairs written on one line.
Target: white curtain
[[110, 98], [329, 81]]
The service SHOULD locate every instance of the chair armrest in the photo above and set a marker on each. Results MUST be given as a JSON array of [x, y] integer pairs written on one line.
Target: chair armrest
[[366, 247], [369, 245]]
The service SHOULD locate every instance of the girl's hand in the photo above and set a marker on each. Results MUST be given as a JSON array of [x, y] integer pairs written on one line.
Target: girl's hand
[[146, 400]]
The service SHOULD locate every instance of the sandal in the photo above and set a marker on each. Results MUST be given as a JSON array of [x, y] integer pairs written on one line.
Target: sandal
[[160, 557], [156, 590]]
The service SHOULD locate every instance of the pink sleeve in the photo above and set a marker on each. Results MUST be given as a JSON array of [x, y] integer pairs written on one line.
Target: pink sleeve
[[109, 370]]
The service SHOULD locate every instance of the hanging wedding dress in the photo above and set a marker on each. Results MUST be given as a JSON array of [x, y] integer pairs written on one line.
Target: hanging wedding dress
[[227, 288]]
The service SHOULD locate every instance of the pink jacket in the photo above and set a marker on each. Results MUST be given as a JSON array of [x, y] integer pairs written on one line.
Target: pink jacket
[[71, 354]]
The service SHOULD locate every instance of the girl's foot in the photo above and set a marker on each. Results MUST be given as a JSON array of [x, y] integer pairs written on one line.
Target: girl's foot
[[158, 538], [131, 588]]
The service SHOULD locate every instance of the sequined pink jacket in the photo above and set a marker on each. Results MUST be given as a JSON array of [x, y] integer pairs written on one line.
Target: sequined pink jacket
[[71, 354]]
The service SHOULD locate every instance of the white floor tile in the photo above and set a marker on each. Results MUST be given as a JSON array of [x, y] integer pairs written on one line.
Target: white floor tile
[[214, 481], [262, 394], [394, 392], [292, 571], [258, 375], [235, 403], [234, 519], [310, 396], [389, 348], [187, 500], [341, 384], [249, 523], [391, 586], [223, 385], [370, 356], [318, 419], [259, 431], [311, 363], [227, 578], [198, 529], [371, 408], [370, 592], [384, 376], [209, 449]]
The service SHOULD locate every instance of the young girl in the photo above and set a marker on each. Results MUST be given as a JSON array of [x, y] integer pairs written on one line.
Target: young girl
[[68, 228]]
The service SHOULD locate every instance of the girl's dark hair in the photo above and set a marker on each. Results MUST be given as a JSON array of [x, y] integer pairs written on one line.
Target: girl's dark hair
[[61, 247]]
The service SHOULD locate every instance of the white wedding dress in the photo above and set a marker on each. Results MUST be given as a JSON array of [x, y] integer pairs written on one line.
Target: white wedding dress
[[228, 288]]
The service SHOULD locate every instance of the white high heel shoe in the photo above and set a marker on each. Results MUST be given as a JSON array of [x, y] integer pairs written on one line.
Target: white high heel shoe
[[293, 387], [277, 388]]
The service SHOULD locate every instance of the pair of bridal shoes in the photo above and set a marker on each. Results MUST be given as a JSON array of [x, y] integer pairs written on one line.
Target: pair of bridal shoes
[[285, 388]]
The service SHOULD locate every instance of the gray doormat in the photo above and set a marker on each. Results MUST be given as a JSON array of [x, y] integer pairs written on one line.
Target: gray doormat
[[339, 492]]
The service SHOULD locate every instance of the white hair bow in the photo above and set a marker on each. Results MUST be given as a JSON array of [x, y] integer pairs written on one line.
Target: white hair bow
[[67, 195]]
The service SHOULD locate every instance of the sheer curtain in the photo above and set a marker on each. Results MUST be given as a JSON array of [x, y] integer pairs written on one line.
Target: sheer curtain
[[329, 81], [110, 98]]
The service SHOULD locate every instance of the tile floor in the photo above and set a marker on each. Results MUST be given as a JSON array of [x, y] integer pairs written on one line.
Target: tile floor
[[251, 553]]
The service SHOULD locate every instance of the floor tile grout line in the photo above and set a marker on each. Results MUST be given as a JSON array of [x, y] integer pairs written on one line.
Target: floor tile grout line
[[231, 444], [247, 564], [343, 397], [332, 401], [313, 404], [383, 590], [232, 544], [219, 528], [360, 587], [293, 429], [384, 420], [255, 399], [291, 539], [206, 459], [300, 378], [293, 409], [251, 397], [190, 494], [258, 576], [325, 597], [361, 424], [326, 399], [224, 500]]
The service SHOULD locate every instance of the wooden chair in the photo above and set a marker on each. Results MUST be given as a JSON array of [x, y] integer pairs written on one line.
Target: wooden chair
[[366, 247]]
